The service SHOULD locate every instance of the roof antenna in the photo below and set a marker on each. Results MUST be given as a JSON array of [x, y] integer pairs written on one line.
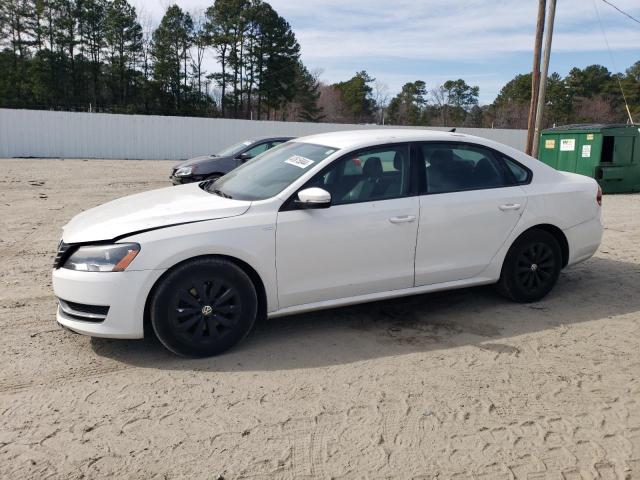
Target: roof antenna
[[452, 130]]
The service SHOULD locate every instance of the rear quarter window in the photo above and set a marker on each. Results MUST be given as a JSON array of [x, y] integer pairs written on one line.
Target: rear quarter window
[[521, 174]]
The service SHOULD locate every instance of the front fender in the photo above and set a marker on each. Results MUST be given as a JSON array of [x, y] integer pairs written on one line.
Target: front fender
[[249, 238]]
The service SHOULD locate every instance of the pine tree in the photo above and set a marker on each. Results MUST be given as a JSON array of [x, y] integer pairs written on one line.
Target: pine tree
[[171, 43], [123, 41]]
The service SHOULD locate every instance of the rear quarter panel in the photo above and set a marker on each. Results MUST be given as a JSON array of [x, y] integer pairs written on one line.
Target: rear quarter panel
[[565, 203]]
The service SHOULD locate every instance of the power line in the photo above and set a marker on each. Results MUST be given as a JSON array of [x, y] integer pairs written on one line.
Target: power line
[[613, 61], [621, 11]]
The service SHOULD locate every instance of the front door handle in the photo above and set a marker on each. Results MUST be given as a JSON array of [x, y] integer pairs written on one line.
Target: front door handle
[[509, 206], [402, 219]]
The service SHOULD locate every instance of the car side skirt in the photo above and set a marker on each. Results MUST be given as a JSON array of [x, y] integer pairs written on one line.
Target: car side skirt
[[372, 297]]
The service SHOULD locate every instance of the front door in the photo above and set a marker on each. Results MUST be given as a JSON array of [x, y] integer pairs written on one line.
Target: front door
[[363, 243]]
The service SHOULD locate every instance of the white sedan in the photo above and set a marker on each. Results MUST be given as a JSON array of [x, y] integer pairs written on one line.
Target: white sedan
[[326, 220]]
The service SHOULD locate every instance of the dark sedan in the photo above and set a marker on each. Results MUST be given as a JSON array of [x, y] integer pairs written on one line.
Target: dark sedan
[[207, 167]]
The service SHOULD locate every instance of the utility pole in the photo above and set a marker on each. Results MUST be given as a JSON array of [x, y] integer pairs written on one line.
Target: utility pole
[[548, 36], [535, 75]]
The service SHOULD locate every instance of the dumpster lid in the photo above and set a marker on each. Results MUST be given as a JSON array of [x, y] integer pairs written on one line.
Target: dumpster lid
[[589, 127]]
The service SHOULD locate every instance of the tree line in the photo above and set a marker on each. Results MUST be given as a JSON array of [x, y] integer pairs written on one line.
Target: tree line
[[592, 94], [97, 55]]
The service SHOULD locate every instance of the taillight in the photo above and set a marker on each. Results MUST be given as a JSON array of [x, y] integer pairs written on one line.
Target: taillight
[[599, 196]]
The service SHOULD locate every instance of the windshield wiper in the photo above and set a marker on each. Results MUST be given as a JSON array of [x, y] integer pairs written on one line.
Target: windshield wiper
[[220, 193], [207, 187]]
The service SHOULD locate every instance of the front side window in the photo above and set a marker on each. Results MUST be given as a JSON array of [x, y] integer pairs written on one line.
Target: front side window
[[460, 167], [270, 173], [373, 174]]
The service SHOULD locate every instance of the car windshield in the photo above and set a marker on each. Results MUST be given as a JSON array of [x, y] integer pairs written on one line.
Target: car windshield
[[270, 173], [234, 149]]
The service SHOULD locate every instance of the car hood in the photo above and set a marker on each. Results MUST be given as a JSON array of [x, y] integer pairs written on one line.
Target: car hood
[[150, 210], [198, 160]]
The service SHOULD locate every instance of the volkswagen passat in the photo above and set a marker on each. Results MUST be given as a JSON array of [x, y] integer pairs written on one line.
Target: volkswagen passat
[[326, 220], [212, 167]]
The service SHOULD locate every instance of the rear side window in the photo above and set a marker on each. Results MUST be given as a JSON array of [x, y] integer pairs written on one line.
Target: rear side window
[[451, 167]]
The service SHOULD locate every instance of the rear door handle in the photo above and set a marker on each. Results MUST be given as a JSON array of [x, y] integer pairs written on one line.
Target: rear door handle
[[402, 219], [509, 206]]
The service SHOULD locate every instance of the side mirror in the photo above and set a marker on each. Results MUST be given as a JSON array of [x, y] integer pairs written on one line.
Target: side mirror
[[244, 157], [313, 197]]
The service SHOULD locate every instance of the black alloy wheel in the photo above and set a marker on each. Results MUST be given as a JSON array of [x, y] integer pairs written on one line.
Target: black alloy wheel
[[531, 267], [535, 267], [203, 307]]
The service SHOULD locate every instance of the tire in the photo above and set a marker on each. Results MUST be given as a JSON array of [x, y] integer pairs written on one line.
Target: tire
[[531, 267], [203, 307]]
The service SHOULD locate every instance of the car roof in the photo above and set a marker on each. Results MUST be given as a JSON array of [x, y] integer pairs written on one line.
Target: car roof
[[265, 139], [357, 138]]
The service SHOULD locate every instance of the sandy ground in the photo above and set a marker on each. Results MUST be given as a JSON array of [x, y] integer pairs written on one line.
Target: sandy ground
[[455, 385]]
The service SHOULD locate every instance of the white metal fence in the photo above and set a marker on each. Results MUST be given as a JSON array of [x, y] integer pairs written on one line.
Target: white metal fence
[[38, 133]]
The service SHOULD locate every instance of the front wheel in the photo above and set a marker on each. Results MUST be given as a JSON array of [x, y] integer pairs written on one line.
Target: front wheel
[[203, 307], [531, 267]]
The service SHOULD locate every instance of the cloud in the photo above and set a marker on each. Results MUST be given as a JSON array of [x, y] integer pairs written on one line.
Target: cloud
[[464, 30]]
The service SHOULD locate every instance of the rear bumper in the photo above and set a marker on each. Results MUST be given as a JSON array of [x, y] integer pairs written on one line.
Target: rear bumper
[[124, 293], [584, 240]]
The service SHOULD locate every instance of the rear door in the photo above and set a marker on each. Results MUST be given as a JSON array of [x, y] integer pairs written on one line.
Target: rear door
[[470, 204]]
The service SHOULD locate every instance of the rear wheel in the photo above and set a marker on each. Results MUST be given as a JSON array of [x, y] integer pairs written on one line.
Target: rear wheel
[[531, 268], [203, 307]]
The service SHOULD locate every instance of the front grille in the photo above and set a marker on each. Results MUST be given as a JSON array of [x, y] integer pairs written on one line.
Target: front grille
[[81, 311], [64, 251]]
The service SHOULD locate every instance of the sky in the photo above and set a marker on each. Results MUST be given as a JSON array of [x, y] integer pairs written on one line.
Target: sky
[[484, 42]]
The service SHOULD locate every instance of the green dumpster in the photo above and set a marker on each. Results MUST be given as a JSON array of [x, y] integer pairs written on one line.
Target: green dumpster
[[608, 153]]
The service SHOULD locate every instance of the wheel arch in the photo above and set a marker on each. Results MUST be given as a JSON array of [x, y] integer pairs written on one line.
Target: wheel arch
[[557, 233], [244, 266]]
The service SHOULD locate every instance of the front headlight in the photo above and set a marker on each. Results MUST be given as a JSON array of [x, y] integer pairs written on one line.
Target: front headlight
[[184, 171], [103, 258]]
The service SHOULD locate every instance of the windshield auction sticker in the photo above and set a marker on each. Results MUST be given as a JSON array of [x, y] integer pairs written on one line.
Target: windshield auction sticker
[[299, 161]]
